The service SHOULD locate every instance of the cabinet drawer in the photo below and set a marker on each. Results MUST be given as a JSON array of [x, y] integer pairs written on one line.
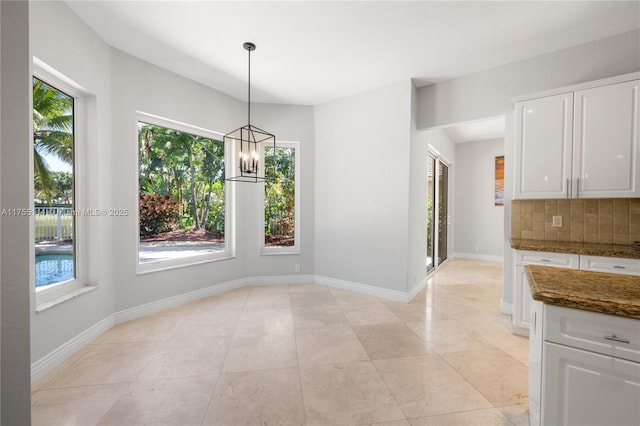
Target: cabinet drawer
[[613, 265], [605, 334], [560, 260]]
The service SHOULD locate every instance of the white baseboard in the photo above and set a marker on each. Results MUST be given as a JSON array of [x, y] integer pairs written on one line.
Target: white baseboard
[[394, 295], [331, 282], [64, 351], [181, 299], [477, 256], [281, 279], [506, 308], [45, 364], [418, 288]]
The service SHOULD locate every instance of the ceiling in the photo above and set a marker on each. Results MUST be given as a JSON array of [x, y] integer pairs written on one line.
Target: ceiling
[[313, 52]]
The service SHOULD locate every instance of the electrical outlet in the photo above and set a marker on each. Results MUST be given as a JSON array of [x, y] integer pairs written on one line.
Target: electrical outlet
[[557, 221], [297, 268]]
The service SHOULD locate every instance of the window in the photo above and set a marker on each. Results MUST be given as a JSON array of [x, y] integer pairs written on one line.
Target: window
[[58, 253], [182, 206], [281, 205]]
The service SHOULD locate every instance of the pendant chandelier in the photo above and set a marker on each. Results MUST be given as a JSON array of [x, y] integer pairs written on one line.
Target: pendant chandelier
[[249, 138]]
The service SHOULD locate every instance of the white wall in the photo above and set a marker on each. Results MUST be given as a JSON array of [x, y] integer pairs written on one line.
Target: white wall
[[417, 225], [15, 390], [362, 187], [479, 222], [62, 49], [289, 123], [487, 93], [441, 144]]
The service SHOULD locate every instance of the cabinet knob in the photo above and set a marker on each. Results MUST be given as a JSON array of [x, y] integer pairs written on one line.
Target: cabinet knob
[[615, 338], [619, 267]]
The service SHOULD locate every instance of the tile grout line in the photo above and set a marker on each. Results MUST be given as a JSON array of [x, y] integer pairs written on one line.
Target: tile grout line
[[387, 386], [221, 374], [295, 341], [130, 384], [465, 379]]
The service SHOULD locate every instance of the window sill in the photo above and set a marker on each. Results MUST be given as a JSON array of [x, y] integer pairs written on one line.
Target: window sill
[[278, 251], [58, 300], [164, 265]]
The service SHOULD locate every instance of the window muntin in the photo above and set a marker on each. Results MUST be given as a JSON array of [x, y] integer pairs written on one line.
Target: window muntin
[[280, 204], [183, 207]]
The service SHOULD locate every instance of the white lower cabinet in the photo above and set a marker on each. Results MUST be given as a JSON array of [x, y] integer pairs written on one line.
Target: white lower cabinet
[[571, 385], [535, 362], [521, 302], [521, 291], [585, 388]]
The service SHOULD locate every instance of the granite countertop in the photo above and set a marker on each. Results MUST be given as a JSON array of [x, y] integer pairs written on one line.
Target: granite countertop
[[609, 250], [612, 294]]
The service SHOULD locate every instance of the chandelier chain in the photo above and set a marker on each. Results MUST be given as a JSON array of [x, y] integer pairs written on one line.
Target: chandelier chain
[[249, 90]]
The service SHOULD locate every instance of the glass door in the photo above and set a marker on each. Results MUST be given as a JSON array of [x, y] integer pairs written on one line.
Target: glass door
[[431, 205], [437, 211], [443, 201]]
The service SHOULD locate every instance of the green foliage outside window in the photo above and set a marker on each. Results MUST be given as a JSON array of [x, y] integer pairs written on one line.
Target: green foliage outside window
[[158, 214], [189, 170], [279, 204]]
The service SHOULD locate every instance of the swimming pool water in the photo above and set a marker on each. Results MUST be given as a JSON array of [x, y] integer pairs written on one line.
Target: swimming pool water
[[53, 268]]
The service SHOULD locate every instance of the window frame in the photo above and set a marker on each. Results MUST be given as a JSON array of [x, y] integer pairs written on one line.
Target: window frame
[[295, 249], [229, 221], [46, 295]]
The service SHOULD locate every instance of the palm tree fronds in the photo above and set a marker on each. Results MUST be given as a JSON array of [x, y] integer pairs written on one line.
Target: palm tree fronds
[[43, 180], [52, 132]]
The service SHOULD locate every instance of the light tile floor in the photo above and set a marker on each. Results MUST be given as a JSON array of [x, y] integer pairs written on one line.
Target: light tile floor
[[304, 355]]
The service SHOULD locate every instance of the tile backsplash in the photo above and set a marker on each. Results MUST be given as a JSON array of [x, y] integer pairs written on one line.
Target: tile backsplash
[[588, 220]]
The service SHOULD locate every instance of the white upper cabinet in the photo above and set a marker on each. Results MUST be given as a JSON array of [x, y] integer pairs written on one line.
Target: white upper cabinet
[[605, 148], [580, 143], [543, 147]]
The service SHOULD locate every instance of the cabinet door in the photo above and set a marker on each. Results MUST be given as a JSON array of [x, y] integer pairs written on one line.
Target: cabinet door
[[535, 361], [521, 302], [543, 147], [584, 388], [605, 149]]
